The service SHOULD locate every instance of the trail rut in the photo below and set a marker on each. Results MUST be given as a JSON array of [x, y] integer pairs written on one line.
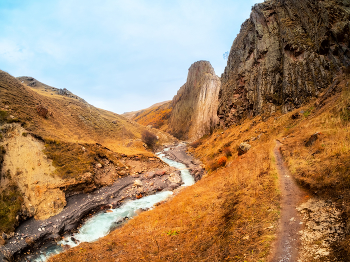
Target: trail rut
[[288, 240]]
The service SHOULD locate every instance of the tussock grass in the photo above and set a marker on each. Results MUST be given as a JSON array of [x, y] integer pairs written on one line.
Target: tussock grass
[[10, 205]]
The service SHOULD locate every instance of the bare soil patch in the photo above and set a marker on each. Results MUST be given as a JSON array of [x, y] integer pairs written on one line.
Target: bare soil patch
[[288, 239]]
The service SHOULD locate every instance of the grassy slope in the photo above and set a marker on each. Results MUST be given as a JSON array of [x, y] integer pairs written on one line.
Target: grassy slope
[[72, 120], [73, 124], [156, 115], [231, 213]]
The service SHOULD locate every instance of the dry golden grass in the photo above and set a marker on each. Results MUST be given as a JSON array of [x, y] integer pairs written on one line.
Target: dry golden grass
[[227, 216], [230, 215], [157, 115], [70, 125], [72, 120], [10, 205], [71, 161], [324, 167]]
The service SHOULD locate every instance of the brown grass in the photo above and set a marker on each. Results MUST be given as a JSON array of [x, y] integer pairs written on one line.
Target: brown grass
[[156, 116], [230, 215], [72, 160], [72, 119], [10, 205]]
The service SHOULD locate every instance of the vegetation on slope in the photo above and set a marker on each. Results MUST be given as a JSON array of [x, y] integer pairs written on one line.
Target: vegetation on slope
[[323, 166], [73, 160], [231, 214], [75, 134], [69, 119], [10, 205], [227, 215], [156, 116]]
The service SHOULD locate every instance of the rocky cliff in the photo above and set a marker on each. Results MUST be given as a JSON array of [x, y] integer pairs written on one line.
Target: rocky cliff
[[285, 53], [195, 105]]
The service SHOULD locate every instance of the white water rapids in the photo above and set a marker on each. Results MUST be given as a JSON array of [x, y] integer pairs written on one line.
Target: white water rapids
[[101, 224]]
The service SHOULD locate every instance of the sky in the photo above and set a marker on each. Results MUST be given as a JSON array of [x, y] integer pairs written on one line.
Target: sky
[[119, 55]]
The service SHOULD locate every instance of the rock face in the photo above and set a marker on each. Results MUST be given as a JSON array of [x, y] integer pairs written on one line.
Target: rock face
[[285, 53], [195, 105]]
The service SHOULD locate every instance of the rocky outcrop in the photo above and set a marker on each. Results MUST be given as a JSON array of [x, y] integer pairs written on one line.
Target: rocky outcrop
[[195, 105], [285, 53]]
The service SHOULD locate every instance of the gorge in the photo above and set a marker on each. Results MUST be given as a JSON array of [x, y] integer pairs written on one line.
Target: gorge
[[286, 82]]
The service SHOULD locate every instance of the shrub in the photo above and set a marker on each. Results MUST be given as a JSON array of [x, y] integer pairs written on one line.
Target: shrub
[[222, 161], [227, 151], [212, 166], [3, 116], [10, 205], [196, 144], [149, 138], [347, 70], [2, 154]]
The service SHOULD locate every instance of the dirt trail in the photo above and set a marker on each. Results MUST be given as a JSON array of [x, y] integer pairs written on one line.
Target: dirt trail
[[288, 240]]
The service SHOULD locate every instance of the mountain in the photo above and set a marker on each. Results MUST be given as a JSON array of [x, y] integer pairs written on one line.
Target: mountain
[[195, 104], [287, 52]]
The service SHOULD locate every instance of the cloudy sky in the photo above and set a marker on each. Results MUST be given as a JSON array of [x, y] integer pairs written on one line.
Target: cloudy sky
[[119, 55]]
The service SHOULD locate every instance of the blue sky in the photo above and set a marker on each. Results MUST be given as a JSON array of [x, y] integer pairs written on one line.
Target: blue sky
[[119, 55]]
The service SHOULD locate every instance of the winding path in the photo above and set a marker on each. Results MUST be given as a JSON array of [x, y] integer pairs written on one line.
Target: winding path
[[287, 242]]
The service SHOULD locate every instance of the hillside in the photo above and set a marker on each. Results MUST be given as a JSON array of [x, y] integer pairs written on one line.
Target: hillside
[[53, 144], [137, 114], [232, 214], [156, 115]]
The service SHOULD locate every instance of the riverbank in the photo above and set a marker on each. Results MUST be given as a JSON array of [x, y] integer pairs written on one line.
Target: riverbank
[[32, 233]]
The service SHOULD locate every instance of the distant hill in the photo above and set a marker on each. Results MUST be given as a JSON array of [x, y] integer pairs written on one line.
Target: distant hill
[[53, 144], [139, 114]]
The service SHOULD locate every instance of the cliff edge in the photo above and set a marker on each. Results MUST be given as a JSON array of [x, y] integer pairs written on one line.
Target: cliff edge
[[285, 53], [195, 105]]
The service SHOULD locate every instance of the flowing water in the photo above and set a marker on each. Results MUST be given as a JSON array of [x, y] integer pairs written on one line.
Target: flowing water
[[101, 224]]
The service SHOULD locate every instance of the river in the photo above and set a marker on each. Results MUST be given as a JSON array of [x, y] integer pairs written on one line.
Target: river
[[102, 224]]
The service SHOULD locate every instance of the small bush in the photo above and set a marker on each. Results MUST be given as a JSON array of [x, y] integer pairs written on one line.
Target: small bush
[[196, 144], [227, 151], [10, 205], [347, 70], [149, 138], [222, 161], [3, 116], [308, 112], [212, 166], [2, 154]]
